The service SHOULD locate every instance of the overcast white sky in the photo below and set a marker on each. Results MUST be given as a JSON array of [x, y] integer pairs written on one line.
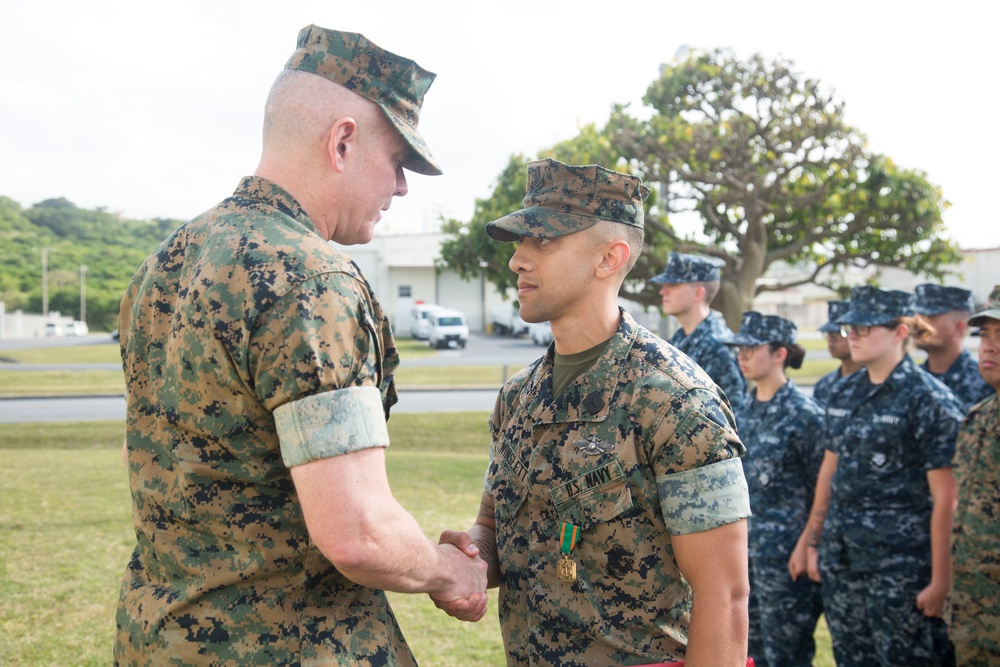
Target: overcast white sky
[[154, 109]]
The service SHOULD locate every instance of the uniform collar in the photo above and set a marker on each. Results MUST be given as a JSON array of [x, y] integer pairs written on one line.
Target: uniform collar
[[589, 397], [271, 194]]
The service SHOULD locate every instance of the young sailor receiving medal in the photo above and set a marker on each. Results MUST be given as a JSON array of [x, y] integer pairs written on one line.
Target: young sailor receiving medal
[[614, 514]]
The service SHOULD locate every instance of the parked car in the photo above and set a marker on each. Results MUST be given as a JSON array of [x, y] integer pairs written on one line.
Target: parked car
[[54, 329], [447, 328], [505, 320], [77, 328], [420, 323], [541, 332]]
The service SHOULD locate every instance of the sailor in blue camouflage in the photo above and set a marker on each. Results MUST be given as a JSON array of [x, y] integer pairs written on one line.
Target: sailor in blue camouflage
[[824, 386], [947, 308], [974, 614], [703, 343], [888, 440], [639, 452], [252, 349], [782, 461]]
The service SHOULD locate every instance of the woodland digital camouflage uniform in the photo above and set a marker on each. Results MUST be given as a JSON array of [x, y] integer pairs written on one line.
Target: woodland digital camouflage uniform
[[964, 379], [782, 461], [875, 552], [239, 315], [975, 555], [639, 448]]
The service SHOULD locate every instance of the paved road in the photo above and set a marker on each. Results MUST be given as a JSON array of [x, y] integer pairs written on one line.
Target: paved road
[[482, 350], [111, 408]]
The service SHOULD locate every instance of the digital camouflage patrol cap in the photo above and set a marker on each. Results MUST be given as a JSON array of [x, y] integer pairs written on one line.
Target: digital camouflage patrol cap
[[396, 84], [561, 199], [992, 310], [758, 329], [834, 309], [871, 306], [936, 299], [682, 268]]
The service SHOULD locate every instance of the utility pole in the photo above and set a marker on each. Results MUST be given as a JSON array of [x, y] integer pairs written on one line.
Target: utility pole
[[83, 293], [45, 282]]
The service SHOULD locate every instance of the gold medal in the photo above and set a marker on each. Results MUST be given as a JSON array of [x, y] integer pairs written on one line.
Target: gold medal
[[566, 567]]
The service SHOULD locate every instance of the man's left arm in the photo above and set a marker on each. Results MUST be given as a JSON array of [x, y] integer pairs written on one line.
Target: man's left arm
[[715, 564], [704, 499]]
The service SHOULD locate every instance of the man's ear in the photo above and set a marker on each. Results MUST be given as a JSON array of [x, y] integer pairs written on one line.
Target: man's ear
[[340, 141], [616, 254]]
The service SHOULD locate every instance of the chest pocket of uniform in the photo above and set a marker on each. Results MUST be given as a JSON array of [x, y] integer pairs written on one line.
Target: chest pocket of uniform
[[597, 496], [507, 477]]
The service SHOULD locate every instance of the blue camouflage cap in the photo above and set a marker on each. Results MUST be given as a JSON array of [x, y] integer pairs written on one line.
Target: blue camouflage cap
[[834, 309], [683, 268], [992, 310], [396, 84], [871, 306], [758, 329], [561, 199], [936, 299]]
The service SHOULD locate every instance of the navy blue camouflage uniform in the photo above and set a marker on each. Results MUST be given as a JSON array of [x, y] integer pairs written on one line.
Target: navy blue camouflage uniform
[[964, 379], [706, 348], [704, 345], [824, 387], [875, 554], [963, 376], [781, 464]]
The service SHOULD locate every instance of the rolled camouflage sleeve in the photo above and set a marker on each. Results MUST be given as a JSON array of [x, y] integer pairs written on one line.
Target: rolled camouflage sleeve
[[699, 475], [313, 340]]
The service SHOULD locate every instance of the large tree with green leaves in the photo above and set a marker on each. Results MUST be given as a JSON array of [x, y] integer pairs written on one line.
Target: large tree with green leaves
[[762, 159]]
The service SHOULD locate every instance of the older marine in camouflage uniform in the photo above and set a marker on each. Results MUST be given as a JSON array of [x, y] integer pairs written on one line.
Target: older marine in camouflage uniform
[[825, 385], [251, 347], [974, 622], [704, 342], [600, 478], [782, 461], [875, 553], [962, 376]]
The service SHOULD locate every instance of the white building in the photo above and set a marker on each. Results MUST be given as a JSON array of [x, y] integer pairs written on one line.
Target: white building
[[400, 268]]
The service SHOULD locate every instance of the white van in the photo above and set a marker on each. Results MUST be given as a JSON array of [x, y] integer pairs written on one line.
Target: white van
[[77, 328], [420, 323], [447, 328]]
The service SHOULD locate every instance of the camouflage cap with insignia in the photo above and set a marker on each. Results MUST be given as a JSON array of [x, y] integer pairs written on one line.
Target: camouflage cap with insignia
[[871, 306], [834, 309], [682, 268], [561, 199], [396, 84], [936, 299], [992, 310], [758, 329]]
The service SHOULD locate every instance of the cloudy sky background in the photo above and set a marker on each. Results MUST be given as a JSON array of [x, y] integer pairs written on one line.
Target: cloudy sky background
[[154, 109]]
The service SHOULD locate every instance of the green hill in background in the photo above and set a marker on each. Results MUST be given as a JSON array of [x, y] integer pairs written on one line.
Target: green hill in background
[[108, 245]]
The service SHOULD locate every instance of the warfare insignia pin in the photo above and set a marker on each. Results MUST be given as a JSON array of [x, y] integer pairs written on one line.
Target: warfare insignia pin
[[593, 446]]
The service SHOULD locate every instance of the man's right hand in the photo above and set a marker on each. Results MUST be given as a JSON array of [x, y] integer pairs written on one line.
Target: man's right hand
[[466, 598]]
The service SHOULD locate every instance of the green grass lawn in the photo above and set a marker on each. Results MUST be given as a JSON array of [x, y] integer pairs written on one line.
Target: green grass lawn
[[66, 534]]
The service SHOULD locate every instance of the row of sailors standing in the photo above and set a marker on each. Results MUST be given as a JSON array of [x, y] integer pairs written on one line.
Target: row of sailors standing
[[853, 490]]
